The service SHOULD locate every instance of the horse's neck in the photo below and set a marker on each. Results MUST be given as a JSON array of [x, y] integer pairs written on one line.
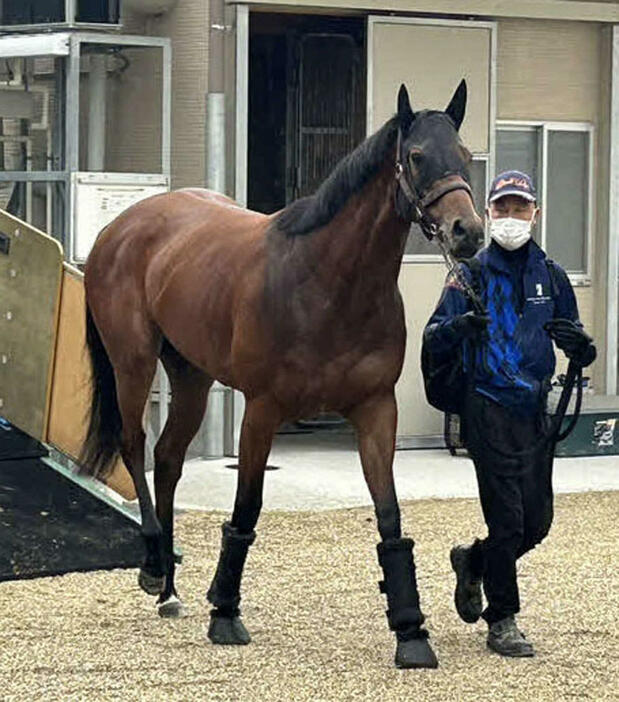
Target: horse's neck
[[365, 242], [343, 275]]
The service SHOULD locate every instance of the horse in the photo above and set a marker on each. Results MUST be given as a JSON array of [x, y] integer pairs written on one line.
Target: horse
[[300, 311]]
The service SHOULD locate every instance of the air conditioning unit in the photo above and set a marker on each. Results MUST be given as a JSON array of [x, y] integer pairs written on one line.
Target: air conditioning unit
[[37, 15]]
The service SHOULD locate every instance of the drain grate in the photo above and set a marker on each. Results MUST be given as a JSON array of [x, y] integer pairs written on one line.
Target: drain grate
[[235, 466]]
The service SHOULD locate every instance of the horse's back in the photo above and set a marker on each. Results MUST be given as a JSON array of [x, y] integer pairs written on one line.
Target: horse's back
[[206, 237], [173, 225], [184, 263]]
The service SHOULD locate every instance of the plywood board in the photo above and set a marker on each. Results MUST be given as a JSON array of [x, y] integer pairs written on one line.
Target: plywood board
[[30, 275], [71, 387], [70, 399]]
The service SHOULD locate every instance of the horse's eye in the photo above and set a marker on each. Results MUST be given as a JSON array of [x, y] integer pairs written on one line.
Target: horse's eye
[[415, 156]]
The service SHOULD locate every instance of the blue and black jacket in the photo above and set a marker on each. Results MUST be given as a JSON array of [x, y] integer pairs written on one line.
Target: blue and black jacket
[[516, 361]]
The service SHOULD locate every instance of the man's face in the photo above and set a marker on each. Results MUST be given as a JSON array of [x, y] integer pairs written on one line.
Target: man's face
[[512, 206]]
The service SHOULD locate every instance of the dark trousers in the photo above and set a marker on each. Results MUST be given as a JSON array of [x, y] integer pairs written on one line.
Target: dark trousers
[[515, 493]]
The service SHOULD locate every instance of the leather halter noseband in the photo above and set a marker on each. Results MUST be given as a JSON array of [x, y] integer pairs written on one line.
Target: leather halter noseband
[[447, 183]]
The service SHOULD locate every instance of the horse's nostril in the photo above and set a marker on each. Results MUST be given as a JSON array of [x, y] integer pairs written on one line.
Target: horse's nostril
[[457, 229]]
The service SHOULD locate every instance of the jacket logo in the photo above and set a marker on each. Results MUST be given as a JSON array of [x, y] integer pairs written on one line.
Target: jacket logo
[[539, 298]]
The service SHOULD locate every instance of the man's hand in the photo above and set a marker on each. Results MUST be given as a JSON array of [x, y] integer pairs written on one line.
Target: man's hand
[[470, 325], [572, 340]]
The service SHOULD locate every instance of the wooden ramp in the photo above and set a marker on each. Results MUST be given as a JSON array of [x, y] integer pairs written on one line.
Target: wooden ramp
[[44, 368]]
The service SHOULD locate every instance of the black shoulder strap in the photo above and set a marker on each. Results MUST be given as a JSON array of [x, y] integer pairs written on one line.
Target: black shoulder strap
[[553, 274]]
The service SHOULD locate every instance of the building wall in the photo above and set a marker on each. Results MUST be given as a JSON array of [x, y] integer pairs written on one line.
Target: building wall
[[134, 117], [553, 71], [187, 25], [601, 252], [546, 70]]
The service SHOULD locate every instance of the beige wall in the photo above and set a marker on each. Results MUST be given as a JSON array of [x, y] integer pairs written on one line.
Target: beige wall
[[402, 52], [134, 116], [548, 70], [601, 252], [187, 25], [557, 71], [587, 11]]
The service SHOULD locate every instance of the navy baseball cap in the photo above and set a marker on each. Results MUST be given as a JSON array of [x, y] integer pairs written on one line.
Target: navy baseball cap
[[512, 183]]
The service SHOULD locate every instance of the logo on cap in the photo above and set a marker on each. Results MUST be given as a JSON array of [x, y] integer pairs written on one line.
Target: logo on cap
[[512, 183]]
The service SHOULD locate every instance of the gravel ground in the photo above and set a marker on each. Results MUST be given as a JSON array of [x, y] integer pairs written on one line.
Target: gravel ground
[[317, 619]]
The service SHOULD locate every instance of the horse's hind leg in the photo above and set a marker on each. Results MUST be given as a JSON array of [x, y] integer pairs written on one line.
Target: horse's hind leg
[[133, 381], [375, 422], [261, 419], [189, 387]]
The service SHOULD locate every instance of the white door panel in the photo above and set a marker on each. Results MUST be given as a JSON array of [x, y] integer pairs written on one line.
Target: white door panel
[[420, 285], [430, 57]]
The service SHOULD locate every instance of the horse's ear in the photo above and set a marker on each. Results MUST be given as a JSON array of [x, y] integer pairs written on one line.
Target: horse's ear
[[405, 111], [457, 106]]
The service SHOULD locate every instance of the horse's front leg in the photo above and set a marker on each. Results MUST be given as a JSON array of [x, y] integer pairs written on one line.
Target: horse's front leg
[[260, 422], [375, 421]]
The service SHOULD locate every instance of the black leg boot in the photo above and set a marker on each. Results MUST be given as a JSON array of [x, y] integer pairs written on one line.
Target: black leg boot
[[226, 626], [404, 614]]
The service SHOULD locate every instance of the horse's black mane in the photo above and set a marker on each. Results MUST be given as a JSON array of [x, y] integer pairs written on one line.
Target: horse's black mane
[[348, 177]]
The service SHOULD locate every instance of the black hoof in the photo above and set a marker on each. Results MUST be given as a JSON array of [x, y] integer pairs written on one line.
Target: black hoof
[[228, 631], [151, 584], [415, 653], [172, 608]]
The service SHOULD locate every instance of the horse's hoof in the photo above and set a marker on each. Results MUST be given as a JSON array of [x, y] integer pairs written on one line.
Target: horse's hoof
[[151, 584], [172, 608], [415, 653], [228, 631]]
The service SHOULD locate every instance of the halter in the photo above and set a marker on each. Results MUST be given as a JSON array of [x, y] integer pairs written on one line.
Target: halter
[[447, 183]]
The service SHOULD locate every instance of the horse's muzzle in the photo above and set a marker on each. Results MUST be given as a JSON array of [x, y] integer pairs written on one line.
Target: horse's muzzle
[[466, 236]]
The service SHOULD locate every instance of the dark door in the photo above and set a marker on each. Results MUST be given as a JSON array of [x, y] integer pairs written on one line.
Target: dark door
[[325, 107]]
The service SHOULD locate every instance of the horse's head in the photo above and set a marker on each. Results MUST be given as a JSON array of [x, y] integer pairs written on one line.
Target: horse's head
[[432, 171]]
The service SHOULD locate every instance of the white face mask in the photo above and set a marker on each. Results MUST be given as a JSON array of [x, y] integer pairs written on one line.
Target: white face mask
[[511, 233]]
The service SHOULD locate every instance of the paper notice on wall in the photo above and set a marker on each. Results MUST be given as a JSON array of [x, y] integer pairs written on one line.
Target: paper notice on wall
[[604, 432], [101, 197]]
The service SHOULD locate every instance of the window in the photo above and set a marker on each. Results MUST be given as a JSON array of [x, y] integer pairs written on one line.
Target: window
[[558, 156], [417, 245]]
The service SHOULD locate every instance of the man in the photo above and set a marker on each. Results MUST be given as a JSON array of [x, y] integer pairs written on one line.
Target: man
[[510, 360]]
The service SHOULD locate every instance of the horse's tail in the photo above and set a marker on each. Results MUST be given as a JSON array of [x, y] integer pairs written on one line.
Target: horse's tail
[[103, 438]]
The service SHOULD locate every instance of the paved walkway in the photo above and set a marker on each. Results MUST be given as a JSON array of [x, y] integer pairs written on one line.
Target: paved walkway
[[325, 473]]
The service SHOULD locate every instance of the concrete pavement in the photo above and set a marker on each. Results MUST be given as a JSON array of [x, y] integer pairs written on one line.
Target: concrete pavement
[[315, 473]]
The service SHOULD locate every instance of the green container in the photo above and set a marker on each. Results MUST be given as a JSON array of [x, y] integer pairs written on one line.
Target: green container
[[597, 430]]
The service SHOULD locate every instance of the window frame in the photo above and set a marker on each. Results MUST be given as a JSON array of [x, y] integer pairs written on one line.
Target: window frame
[[543, 129]]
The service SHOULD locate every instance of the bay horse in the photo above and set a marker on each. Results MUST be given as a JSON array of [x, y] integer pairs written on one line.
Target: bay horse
[[300, 311]]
